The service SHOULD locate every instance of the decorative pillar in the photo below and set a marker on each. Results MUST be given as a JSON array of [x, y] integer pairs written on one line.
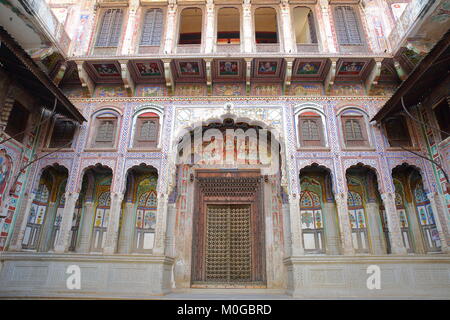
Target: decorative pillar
[[126, 232], [331, 228], [344, 223], [112, 231], [414, 228], [86, 227], [393, 223], [47, 227], [326, 30], [247, 26], [296, 227], [210, 24], [127, 43], [20, 231], [63, 241], [400, 71], [170, 27], [286, 23], [441, 224], [161, 223], [374, 228]]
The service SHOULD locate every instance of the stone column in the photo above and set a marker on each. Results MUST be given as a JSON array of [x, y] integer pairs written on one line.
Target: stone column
[[86, 227], [326, 30], [344, 223], [247, 26], [210, 27], [171, 217], [331, 228], [170, 28], [414, 228], [287, 230], [296, 227], [47, 227], [393, 223], [127, 43], [286, 23], [126, 232], [16, 243], [375, 229], [161, 225], [112, 230], [63, 241], [439, 217]]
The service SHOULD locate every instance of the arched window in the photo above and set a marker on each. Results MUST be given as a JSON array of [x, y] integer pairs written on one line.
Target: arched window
[[266, 26], [354, 129], [426, 219], [101, 220], [152, 28], [312, 222], [404, 225], [190, 26], [36, 218], [397, 132], [347, 27], [146, 130], [310, 129], [110, 28], [105, 131], [304, 27], [358, 222], [146, 220], [228, 26]]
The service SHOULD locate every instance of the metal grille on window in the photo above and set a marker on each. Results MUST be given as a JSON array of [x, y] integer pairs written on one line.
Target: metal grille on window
[[149, 130], [152, 28], [110, 28], [310, 130], [347, 29], [105, 131], [353, 130]]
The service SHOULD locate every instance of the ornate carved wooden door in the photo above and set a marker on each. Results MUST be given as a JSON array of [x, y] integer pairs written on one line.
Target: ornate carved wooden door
[[228, 242]]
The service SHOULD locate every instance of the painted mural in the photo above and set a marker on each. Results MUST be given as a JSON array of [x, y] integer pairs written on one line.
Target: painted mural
[[110, 91], [306, 89], [229, 89]]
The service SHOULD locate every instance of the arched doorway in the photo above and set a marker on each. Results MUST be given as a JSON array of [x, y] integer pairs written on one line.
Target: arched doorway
[[225, 187]]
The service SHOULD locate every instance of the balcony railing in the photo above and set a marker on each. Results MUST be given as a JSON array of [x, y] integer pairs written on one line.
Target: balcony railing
[[413, 11], [41, 11]]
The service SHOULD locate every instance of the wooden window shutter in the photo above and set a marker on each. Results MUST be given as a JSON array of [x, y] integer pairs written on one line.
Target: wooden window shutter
[[152, 28], [397, 133], [346, 23], [106, 131], [311, 131], [109, 33], [63, 132], [353, 130]]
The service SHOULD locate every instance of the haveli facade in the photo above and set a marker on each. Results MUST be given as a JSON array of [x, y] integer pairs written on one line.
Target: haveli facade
[[117, 196]]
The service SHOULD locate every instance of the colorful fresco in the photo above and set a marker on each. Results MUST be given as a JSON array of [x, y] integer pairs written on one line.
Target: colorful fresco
[[229, 68], [150, 91], [351, 68], [190, 90], [5, 172], [308, 68], [229, 89], [266, 68], [306, 89], [263, 89], [348, 89], [106, 69], [191, 68], [110, 91], [75, 92], [382, 90], [149, 69]]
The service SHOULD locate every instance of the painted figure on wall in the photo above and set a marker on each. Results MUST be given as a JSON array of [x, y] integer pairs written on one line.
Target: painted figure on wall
[[5, 171]]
